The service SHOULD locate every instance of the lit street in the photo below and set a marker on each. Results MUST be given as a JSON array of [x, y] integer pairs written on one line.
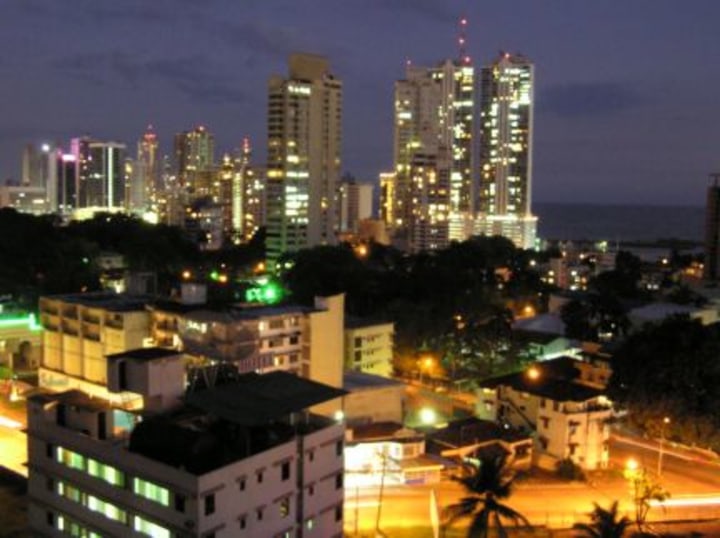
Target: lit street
[[694, 487]]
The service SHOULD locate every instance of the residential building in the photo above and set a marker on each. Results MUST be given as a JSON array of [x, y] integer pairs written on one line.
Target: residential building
[[561, 403], [238, 458], [194, 156], [371, 398], [80, 331], [304, 156], [369, 346], [434, 180], [506, 126], [24, 199], [146, 185], [101, 177], [356, 203]]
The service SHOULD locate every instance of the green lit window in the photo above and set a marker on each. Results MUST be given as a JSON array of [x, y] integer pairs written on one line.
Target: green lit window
[[107, 509], [149, 528], [105, 472], [151, 491], [71, 459]]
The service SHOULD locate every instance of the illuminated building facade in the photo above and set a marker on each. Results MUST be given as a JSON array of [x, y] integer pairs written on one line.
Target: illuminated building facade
[[434, 123], [304, 156], [186, 464], [369, 347], [506, 125], [194, 156], [355, 203], [147, 180], [101, 177]]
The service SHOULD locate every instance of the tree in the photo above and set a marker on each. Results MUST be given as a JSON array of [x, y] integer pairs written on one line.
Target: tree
[[487, 484], [605, 523]]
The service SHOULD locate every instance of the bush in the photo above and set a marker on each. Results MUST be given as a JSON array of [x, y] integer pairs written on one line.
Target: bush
[[569, 470]]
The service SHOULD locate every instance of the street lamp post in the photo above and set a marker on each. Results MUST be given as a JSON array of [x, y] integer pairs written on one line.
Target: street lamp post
[[665, 422]]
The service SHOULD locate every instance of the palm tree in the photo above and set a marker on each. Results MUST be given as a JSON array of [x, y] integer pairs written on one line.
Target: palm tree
[[605, 523], [486, 483]]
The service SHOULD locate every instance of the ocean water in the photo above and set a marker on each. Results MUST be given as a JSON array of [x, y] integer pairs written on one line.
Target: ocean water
[[619, 222]]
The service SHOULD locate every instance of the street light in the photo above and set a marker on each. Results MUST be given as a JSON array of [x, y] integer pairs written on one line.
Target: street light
[[665, 422]]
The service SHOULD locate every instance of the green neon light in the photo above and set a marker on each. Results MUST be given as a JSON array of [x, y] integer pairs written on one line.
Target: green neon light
[[29, 320], [268, 294], [215, 276]]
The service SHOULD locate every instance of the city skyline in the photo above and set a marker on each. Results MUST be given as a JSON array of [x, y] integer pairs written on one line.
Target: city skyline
[[614, 117]]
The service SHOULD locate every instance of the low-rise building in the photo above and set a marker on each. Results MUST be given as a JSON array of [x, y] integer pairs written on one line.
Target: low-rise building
[[372, 398], [243, 458], [369, 346], [566, 413]]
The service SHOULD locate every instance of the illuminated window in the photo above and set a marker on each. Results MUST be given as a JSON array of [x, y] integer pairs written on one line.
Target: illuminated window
[[285, 507], [149, 528], [71, 459], [105, 472], [151, 491]]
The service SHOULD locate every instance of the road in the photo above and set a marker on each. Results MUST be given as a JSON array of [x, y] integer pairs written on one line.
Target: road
[[694, 485]]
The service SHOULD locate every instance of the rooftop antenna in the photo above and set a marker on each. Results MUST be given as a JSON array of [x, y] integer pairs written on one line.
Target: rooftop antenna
[[461, 40]]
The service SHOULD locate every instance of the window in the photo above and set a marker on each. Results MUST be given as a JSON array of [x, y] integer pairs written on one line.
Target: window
[[179, 503], [50, 484], [50, 518], [105, 472], [285, 507], [49, 450], [241, 484], [545, 421], [209, 504], [71, 459], [338, 481], [542, 403], [243, 522], [309, 524], [339, 448], [311, 455], [149, 528], [311, 490], [339, 512], [151, 491], [285, 471], [260, 477], [260, 514]]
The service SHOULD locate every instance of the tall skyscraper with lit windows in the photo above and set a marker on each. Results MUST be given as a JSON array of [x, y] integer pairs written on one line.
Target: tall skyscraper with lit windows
[[506, 126], [304, 156], [434, 155]]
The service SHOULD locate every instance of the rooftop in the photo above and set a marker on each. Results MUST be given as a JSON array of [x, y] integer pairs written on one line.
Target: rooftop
[[72, 398], [255, 399], [145, 354], [108, 301], [556, 380], [354, 381]]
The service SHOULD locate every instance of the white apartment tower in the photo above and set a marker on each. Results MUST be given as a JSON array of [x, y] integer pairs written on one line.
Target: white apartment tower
[[304, 156], [434, 155], [506, 125]]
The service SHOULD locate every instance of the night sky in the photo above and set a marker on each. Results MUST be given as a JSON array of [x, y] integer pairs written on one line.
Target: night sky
[[627, 93]]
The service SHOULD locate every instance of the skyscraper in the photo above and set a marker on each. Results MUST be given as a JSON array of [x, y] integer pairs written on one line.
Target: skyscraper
[[506, 119], [147, 180], [434, 155], [194, 155], [304, 156], [101, 173]]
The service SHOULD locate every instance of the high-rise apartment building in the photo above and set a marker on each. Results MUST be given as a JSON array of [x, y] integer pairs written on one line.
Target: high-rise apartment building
[[304, 156], [100, 173], [194, 156], [355, 201], [434, 154], [506, 124], [146, 180]]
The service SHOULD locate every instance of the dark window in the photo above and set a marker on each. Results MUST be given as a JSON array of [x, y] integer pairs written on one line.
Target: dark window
[[338, 512], [556, 406], [243, 522], [311, 490], [179, 502], [358, 341], [209, 504], [50, 484], [338, 481], [339, 448], [122, 375], [102, 426], [260, 514], [49, 450], [50, 518], [285, 471], [311, 455], [242, 484], [260, 477]]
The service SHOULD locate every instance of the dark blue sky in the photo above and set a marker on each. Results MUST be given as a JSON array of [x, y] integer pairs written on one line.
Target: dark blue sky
[[627, 94]]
